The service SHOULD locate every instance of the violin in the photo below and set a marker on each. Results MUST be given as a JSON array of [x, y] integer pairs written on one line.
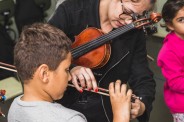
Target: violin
[[91, 48]]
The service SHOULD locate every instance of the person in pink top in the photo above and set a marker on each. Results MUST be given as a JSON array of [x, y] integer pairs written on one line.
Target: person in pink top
[[171, 58]]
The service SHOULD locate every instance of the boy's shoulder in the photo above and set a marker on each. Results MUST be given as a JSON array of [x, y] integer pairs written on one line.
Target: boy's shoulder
[[66, 112], [41, 111]]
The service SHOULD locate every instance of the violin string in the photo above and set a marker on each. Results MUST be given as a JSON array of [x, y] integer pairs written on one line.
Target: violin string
[[97, 41], [102, 39], [94, 42], [104, 36]]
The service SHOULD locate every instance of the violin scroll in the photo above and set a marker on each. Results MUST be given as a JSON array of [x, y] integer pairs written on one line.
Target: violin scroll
[[155, 17], [147, 22]]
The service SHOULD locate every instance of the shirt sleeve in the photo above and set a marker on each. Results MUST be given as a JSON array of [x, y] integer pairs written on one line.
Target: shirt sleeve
[[172, 70], [141, 78], [77, 118]]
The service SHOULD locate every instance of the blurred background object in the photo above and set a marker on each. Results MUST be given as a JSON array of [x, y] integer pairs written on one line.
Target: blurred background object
[[7, 8], [30, 11]]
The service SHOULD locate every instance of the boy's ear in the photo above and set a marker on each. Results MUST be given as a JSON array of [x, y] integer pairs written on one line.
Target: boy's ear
[[170, 26], [43, 73]]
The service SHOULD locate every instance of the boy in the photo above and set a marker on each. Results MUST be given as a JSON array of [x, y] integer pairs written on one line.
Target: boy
[[42, 57]]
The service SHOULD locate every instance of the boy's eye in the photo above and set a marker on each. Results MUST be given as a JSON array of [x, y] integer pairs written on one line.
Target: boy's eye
[[181, 19]]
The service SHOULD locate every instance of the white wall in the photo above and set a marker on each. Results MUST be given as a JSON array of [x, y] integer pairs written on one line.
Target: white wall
[[161, 31]]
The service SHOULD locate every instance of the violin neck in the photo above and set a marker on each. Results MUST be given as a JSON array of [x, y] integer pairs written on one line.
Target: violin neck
[[85, 48]]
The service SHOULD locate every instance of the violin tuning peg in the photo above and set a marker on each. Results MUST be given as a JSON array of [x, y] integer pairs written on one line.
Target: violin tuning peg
[[134, 16]]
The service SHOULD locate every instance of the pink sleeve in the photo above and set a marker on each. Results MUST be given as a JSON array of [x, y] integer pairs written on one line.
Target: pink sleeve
[[172, 70]]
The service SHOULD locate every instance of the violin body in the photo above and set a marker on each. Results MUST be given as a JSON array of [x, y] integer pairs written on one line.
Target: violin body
[[91, 47], [97, 57]]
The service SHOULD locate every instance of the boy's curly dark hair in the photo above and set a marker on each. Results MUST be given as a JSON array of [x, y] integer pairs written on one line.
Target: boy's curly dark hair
[[40, 43]]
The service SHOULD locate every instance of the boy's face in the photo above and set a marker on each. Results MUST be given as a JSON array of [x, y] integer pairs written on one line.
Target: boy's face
[[58, 79]]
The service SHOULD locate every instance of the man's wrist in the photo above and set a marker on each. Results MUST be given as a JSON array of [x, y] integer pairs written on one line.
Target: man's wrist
[[143, 108]]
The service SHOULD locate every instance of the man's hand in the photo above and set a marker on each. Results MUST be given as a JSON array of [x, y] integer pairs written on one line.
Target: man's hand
[[83, 77], [137, 109]]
